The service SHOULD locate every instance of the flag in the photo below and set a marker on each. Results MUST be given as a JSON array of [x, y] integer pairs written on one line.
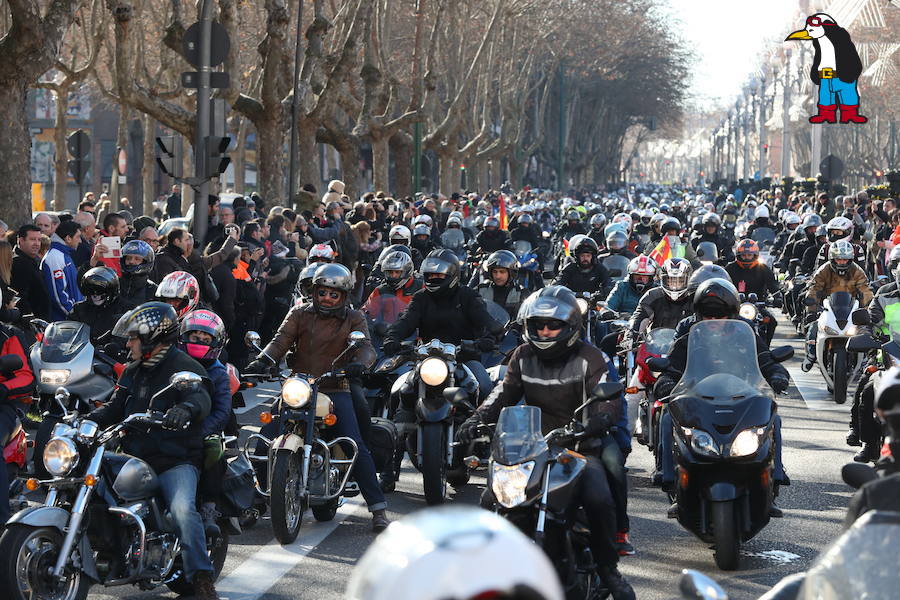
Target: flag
[[566, 246], [502, 214], [662, 252], [465, 209]]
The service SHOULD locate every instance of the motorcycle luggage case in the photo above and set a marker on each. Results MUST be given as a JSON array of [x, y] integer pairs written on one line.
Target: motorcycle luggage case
[[382, 442]]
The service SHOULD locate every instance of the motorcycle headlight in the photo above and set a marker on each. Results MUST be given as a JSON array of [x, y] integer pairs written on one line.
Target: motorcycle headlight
[[748, 311], [747, 442], [55, 376], [295, 392], [702, 443], [582, 305], [433, 371], [60, 456], [830, 330], [508, 482]]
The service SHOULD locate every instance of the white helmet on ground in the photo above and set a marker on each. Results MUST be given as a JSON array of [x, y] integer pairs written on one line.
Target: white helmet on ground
[[453, 553]]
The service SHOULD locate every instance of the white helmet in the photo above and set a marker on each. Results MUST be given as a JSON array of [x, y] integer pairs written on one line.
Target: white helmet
[[453, 553], [423, 220], [791, 218], [400, 232], [762, 212], [674, 276], [839, 228]]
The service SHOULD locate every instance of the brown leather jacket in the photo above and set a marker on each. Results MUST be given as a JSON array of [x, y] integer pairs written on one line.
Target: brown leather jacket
[[826, 281], [317, 340]]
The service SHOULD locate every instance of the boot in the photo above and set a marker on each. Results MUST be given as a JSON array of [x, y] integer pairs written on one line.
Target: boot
[[853, 438], [849, 114], [808, 361], [869, 453], [827, 114], [209, 514], [203, 586], [623, 544], [379, 521], [387, 482], [618, 587]]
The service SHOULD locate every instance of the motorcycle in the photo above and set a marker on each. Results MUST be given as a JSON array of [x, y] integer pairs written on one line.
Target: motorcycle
[[533, 478], [617, 266], [723, 421], [306, 467], [657, 344], [708, 253], [755, 311], [102, 522], [836, 365], [444, 392], [530, 277]]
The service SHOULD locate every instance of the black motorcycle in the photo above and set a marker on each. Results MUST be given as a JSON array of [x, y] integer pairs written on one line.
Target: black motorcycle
[[102, 521], [723, 419], [533, 480]]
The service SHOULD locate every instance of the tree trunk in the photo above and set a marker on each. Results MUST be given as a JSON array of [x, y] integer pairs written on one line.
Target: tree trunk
[[516, 171], [350, 174], [61, 162], [481, 181], [308, 155], [148, 168], [117, 191], [401, 150], [15, 156], [240, 156], [270, 174], [381, 163], [448, 174]]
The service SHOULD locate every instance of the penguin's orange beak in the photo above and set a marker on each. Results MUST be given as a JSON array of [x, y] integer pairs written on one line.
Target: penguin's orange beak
[[801, 34]]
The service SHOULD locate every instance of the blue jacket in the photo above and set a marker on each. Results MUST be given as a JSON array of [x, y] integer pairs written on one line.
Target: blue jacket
[[220, 409], [61, 279], [623, 298]]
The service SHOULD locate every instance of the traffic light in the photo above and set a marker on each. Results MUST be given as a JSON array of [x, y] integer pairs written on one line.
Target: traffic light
[[216, 161], [462, 167], [170, 158], [79, 146]]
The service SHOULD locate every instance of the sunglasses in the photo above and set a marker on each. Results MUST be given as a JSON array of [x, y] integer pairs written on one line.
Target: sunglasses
[[551, 324], [328, 293], [818, 22]]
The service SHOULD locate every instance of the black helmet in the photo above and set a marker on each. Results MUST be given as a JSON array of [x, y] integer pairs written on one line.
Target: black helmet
[[304, 281], [670, 224], [492, 222], [582, 243], [502, 259], [711, 218], [705, 273], [137, 248], [573, 215], [525, 219], [397, 261], [336, 276], [152, 322], [557, 305], [716, 298], [101, 282], [441, 262]]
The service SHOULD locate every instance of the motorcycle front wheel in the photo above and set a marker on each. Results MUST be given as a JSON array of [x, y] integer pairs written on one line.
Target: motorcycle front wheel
[[27, 554], [840, 374], [434, 471], [286, 505], [727, 536]]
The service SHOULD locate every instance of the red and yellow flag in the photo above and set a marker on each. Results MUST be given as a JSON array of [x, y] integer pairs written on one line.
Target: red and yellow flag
[[662, 252], [504, 224]]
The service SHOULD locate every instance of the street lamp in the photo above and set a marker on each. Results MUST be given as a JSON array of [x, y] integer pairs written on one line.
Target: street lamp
[[785, 117]]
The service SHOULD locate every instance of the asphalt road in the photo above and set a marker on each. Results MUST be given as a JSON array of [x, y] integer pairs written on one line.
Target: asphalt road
[[319, 563]]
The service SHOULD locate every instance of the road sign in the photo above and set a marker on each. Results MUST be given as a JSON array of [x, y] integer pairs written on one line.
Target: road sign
[[79, 144], [831, 167], [219, 44], [122, 161]]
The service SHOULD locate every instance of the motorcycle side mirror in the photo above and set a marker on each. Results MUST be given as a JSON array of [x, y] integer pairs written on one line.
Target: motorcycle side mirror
[[607, 390], [697, 586], [356, 338], [61, 397], [857, 474], [185, 381], [252, 339], [861, 317], [455, 395], [658, 363], [753, 298], [40, 324], [10, 363], [862, 343], [782, 353]]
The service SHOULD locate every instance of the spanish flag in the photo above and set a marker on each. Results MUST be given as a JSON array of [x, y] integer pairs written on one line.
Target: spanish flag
[[566, 246], [662, 252], [504, 224]]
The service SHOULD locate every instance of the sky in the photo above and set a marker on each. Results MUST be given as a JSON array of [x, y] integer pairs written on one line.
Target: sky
[[728, 35]]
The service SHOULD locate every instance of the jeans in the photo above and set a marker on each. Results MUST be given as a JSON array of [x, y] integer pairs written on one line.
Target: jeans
[[600, 508], [834, 91], [178, 487], [666, 440], [812, 333]]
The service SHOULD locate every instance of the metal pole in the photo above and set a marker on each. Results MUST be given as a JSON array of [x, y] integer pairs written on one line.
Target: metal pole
[[786, 119], [417, 157], [201, 206], [562, 125], [815, 156], [762, 130], [748, 109], [295, 105]]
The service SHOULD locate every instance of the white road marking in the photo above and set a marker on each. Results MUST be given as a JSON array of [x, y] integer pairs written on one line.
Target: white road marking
[[263, 569], [779, 556], [815, 393]]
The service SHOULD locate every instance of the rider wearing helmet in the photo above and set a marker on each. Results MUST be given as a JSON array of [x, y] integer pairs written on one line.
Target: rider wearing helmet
[[175, 450], [454, 552], [672, 244], [399, 286], [626, 294], [839, 274], [803, 238], [136, 265], [840, 228], [753, 277], [500, 281], [711, 232], [597, 223], [422, 240], [555, 370], [317, 334], [760, 220], [791, 221], [570, 226], [101, 307], [585, 273], [617, 244], [180, 290], [321, 253], [665, 305], [492, 238], [400, 235], [526, 230], [714, 299]]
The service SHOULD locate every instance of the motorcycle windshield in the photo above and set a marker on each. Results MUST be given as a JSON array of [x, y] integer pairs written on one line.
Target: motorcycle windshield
[[855, 565], [617, 265], [518, 437], [384, 309], [64, 340], [659, 342], [521, 247], [841, 303], [763, 236], [722, 363], [498, 313], [453, 239]]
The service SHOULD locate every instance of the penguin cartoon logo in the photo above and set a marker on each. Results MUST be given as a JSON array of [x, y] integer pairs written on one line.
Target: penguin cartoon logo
[[835, 69]]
